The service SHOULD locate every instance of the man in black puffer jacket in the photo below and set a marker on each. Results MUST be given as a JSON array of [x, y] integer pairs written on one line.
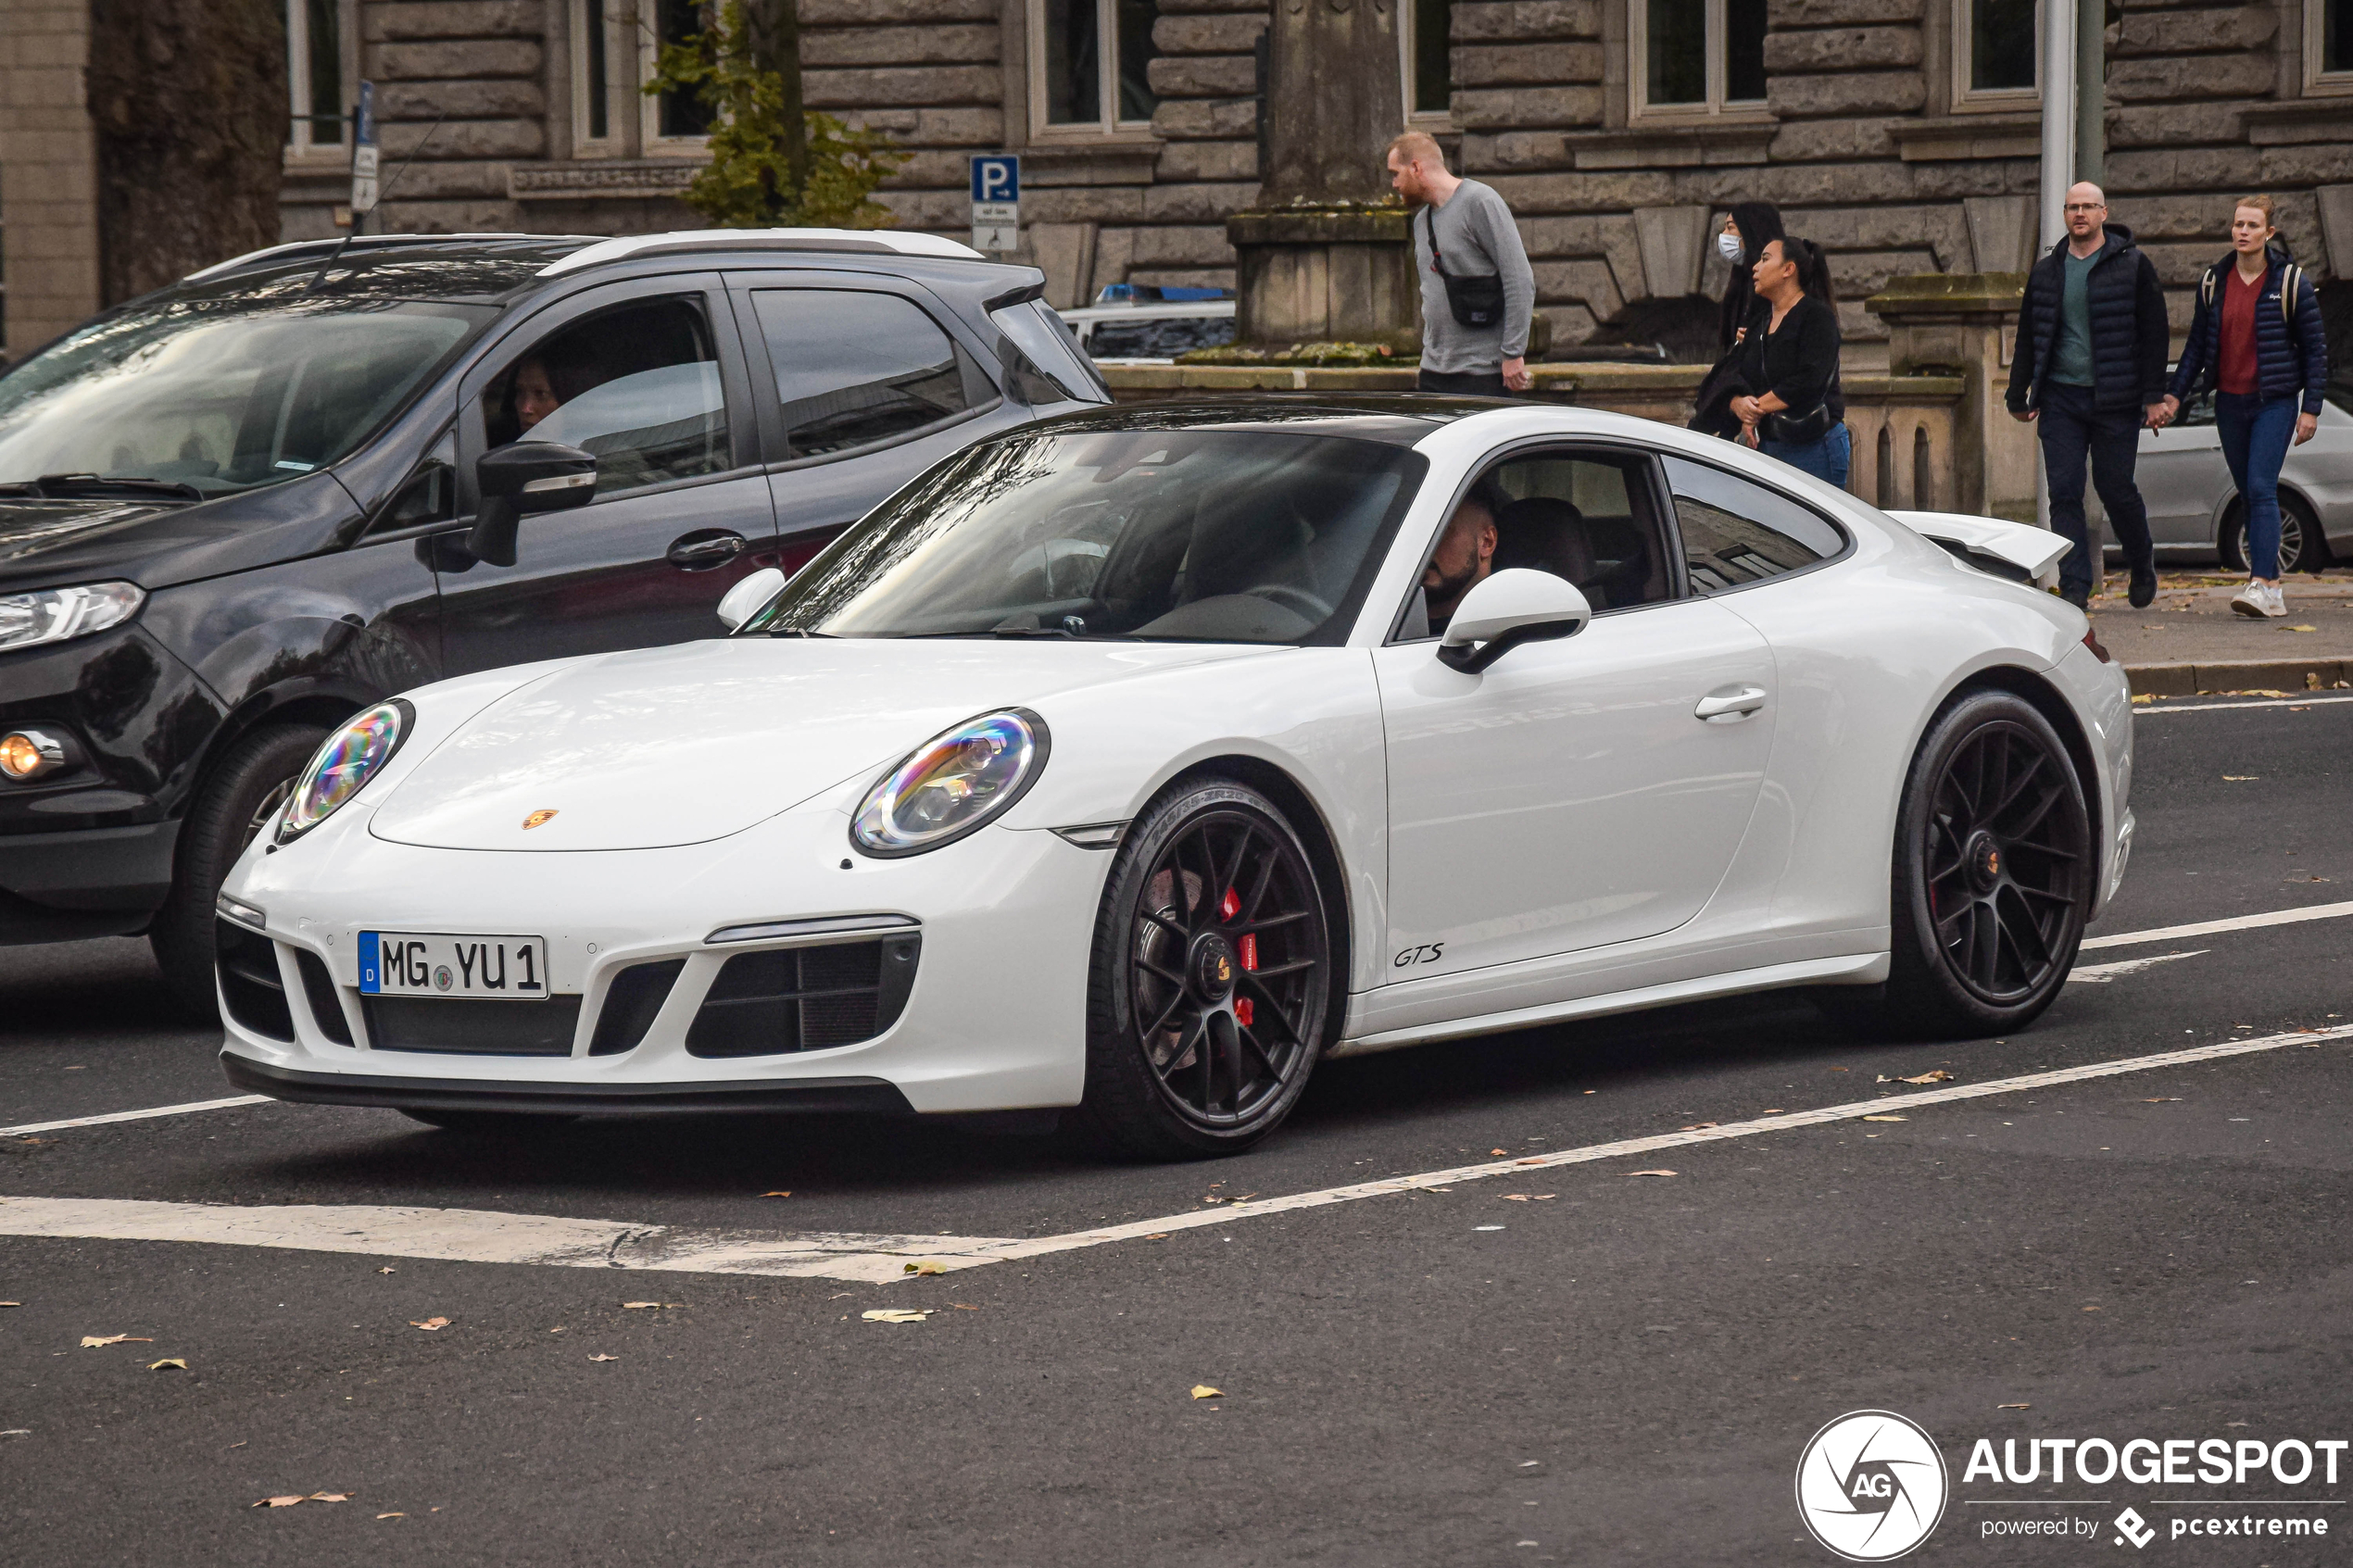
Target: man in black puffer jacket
[[2090, 370]]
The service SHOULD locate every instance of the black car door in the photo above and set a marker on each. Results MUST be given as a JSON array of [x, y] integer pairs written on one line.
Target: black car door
[[863, 381], [648, 375]]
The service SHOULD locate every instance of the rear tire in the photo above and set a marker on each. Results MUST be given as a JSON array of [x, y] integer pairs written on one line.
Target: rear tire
[[232, 807], [1214, 982], [1993, 869]]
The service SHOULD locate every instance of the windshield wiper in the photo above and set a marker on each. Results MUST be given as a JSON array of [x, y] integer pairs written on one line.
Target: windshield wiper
[[64, 486], [797, 632]]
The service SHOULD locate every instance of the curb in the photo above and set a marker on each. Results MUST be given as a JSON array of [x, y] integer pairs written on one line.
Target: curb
[[2239, 675]]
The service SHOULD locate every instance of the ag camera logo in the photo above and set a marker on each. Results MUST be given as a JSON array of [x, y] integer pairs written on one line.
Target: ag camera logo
[[1871, 1486]]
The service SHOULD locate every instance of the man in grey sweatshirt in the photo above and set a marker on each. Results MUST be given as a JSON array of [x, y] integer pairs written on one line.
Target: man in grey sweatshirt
[[1476, 237]]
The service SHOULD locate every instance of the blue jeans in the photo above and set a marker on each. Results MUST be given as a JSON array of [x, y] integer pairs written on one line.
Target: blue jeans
[[2073, 427], [1828, 458], [2256, 434]]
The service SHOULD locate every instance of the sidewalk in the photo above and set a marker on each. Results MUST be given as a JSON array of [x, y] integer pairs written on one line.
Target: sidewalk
[[2191, 641]]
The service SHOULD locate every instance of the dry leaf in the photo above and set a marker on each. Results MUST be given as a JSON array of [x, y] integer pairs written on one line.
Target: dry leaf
[[963, 1307], [1776, 1110], [2160, 1099], [387, 1269], [1203, 1391], [1161, 1236], [925, 1267], [94, 1341], [1938, 1076], [392, 1516], [167, 1362], [1514, 1198], [1650, 1173], [1697, 1126], [2013, 1407], [11, 1303], [657, 1306], [1495, 1151], [1886, 1118], [1533, 1160], [328, 1497], [430, 1324], [2305, 629], [600, 1357], [2242, 778], [898, 1314], [775, 1195], [2091, 1308], [278, 1502]]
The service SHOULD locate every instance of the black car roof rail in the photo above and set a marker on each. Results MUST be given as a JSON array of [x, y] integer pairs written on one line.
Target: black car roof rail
[[366, 241]]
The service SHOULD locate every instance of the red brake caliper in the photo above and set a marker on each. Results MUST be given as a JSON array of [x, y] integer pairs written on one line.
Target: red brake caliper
[[1228, 907]]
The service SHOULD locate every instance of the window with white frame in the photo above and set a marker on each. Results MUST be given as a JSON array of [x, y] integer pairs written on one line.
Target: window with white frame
[[598, 92], [1427, 37], [1697, 57], [1090, 63], [1994, 53], [673, 121], [2328, 45], [319, 36]]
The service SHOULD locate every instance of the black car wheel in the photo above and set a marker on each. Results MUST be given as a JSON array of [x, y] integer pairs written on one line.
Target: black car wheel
[[2302, 546], [234, 805], [1213, 982], [1993, 869]]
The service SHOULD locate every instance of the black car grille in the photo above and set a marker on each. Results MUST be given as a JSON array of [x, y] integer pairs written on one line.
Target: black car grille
[[455, 1026], [805, 998], [319, 990], [631, 1001], [250, 987]]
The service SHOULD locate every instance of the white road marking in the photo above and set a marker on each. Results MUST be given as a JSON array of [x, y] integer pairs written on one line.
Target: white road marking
[[153, 1110], [477, 1236], [2212, 927], [2101, 974], [2316, 700]]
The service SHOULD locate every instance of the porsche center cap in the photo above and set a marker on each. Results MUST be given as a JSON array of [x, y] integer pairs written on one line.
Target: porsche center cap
[[1214, 968]]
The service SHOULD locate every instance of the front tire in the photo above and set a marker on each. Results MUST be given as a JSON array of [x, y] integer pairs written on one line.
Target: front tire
[[234, 805], [1213, 981], [1992, 873]]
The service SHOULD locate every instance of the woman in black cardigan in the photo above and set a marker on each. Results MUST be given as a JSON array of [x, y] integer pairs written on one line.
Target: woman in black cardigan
[[1791, 351]]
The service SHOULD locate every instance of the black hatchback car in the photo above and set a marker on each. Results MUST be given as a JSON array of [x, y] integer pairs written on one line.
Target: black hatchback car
[[239, 509]]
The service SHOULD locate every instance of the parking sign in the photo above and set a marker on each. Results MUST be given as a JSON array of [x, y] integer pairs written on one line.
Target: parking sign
[[996, 201]]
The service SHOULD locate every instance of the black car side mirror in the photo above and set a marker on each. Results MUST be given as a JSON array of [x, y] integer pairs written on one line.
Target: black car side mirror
[[525, 476]]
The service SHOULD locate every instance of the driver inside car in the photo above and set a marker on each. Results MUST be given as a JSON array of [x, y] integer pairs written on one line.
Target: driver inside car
[[1466, 553], [533, 393]]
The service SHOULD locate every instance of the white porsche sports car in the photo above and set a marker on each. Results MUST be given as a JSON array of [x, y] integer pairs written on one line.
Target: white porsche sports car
[[1138, 760]]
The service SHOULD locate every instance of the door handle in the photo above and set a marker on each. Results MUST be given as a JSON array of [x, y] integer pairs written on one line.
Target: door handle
[[705, 548], [1728, 704]]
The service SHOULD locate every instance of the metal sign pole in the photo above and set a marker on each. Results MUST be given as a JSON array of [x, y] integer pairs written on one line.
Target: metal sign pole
[[2057, 74], [364, 158]]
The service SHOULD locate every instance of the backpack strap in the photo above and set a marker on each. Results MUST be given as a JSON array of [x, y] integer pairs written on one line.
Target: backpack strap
[[1429, 228]]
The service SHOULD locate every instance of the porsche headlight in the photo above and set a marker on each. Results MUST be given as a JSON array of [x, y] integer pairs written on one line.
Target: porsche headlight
[[953, 784], [343, 766], [57, 614]]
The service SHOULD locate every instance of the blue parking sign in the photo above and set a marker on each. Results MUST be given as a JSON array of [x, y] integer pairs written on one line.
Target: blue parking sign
[[995, 177]]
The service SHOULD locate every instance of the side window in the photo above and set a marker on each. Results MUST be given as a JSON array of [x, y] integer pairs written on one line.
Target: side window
[[1583, 517], [855, 368], [1736, 531], [430, 493], [637, 387]]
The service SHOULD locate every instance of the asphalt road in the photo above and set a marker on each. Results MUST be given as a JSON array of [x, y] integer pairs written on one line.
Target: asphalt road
[[1626, 1371]]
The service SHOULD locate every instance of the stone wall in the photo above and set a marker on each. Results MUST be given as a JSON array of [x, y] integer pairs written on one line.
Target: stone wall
[[48, 173]]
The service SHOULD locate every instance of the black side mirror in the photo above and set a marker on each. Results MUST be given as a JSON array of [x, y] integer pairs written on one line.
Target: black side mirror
[[525, 476]]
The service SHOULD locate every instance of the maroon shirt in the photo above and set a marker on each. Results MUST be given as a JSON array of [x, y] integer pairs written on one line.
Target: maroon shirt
[[2235, 370]]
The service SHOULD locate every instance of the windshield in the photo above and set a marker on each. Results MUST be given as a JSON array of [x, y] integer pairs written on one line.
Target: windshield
[[1185, 535], [225, 390]]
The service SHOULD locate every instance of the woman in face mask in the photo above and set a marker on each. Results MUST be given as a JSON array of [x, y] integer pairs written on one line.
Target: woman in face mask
[[1747, 230]]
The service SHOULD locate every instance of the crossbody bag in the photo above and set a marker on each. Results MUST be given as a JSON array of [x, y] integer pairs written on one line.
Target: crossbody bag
[[1476, 299]]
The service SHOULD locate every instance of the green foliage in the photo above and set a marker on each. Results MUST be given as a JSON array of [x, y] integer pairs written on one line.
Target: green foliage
[[749, 183]]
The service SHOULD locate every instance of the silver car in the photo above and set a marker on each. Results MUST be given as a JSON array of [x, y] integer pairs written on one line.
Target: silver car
[[2195, 513]]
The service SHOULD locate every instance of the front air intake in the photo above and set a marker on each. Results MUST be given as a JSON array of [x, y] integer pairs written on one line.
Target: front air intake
[[250, 987], [806, 998]]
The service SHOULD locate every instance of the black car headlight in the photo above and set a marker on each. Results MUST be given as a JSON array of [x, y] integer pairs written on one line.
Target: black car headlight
[[343, 767], [951, 785]]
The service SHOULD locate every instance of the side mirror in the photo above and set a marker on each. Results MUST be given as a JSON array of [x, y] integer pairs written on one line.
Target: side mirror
[[737, 604], [1511, 606], [525, 476]]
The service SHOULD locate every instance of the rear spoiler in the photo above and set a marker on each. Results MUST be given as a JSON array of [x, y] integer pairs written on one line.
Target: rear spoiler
[[2017, 550]]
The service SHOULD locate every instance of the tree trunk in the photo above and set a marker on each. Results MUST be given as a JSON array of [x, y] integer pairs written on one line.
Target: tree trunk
[[772, 30], [189, 100]]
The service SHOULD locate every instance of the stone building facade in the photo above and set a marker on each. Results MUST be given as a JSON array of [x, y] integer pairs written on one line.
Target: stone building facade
[[1901, 134]]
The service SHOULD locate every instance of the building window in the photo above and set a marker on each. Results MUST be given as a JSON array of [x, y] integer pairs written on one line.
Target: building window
[[2328, 45], [672, 122], [1429, 60], [1090, 64], [1994, 46], [594, 89], [1699, 56], [317, 32]]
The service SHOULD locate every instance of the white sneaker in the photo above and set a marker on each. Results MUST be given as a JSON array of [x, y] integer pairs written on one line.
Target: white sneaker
[[2260, 599]]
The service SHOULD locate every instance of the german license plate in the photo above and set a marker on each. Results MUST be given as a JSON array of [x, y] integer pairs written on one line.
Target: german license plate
[[400, 963]]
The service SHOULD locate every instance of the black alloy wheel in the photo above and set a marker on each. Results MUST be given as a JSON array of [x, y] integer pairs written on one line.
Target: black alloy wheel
[[1993, 870], [1214, 977]]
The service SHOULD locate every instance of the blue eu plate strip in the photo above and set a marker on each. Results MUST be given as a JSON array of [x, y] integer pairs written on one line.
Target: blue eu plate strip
[[371, 970]]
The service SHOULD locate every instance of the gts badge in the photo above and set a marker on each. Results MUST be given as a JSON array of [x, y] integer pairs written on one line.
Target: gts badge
[[1429, 952]]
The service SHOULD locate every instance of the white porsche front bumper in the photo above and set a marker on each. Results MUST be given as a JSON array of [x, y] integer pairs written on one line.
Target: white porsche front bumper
[[997, 926]]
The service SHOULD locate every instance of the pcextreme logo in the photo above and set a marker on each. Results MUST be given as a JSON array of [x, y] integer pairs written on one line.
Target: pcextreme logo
[[1871, 1486]]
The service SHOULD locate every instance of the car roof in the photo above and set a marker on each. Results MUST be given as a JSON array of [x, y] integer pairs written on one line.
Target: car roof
[[1397, 420]]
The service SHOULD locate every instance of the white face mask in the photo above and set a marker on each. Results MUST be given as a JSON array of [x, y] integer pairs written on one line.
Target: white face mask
[[1727, 245]]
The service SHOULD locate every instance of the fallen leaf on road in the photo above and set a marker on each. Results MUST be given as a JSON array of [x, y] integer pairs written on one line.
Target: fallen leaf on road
[[429, 1324], [1886, 1118], [925, 1267], [2304, 628], [2091, 1308], [328, 1497], [278, 1502], [392, 1516], [1495, 1151], [775, 1195], [2242, 778], [1203, 1391], [1776, 1110], [639, 1306], [2160, 1099], [1161, 1236], [387, 1270], [1697, 1126], [1535, 1160], [604, 1358], [16, 1432], [1527, 1197], [167, 1362], [898, 1314], [96, 1341], [1650, 1173], [1937, 1076], [11, 1303], [963, 1307], [2013, 1407]]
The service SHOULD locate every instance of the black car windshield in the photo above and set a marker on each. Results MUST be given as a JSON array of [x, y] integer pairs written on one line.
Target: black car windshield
[[1183, 535], [223, 390]]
